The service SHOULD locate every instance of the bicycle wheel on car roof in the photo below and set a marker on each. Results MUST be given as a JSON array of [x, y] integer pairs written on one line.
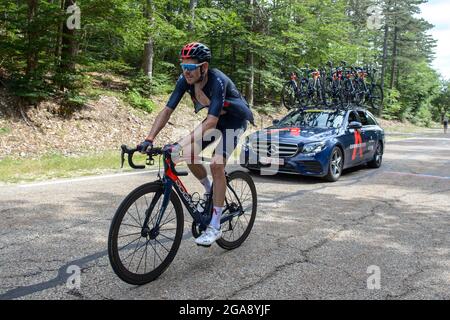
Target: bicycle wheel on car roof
[[289, 95]]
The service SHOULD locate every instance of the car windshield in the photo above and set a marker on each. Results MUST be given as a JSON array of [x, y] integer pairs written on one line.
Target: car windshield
[[314, 118]]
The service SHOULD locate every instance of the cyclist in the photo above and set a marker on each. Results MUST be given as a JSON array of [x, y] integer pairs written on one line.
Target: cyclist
[[228, 113], [445, 124]]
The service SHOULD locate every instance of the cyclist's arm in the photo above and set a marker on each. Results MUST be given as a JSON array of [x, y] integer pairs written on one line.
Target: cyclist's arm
[[160, 122], [164, 116]]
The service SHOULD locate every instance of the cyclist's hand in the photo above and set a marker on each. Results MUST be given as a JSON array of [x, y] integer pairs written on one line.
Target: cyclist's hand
[[175, 151], [145, 146]]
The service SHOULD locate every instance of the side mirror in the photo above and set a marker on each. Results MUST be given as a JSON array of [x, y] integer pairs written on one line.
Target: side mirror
[[355, 125], [275, 122]]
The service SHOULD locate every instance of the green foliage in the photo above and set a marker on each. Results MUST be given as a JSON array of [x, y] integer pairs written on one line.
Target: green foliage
[[73, 100], [279, 35], [5, 130], [135, 99], [393, 108]]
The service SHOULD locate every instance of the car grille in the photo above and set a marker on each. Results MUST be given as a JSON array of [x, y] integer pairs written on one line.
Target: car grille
[[281, 150], [311, 166]]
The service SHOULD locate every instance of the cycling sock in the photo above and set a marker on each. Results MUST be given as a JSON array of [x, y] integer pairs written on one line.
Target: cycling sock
[[215, 221], [207, 184]]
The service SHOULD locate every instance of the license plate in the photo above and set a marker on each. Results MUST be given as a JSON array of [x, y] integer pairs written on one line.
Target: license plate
[[275, 161]]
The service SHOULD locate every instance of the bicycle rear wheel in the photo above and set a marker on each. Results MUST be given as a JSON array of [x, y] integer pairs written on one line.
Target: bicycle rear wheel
[[240, 210], [139, 255]]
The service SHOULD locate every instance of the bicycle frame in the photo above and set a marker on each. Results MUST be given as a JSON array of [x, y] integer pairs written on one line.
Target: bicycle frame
[[171, 181]]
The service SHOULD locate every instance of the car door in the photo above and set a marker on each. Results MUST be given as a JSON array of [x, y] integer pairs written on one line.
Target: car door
[[368, 134], [352, 141]]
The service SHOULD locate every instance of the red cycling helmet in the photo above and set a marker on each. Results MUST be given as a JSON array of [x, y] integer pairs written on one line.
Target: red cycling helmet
[[196, 50]]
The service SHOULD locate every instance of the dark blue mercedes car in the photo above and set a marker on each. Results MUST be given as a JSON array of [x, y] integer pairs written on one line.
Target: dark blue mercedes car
[[314, 142]]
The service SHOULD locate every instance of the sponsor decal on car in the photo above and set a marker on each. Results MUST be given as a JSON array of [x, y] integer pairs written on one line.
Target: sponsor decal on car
[[358, 145]]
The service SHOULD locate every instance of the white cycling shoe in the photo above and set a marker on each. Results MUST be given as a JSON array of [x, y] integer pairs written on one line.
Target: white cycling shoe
[[208, 237]]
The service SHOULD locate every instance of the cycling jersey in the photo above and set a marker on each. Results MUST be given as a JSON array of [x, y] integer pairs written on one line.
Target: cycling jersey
[[222, 93]]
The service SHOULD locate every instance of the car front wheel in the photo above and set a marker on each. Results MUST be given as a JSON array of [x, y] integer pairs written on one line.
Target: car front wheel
[[335, 166], [377, 158]]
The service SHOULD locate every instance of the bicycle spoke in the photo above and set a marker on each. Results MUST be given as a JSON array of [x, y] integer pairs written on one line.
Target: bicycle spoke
[[137, 210], [162, 245], [156, 254], [130, 234], [140, 261], [168, 222], [133, 253], [173, 239], [128, 212], [129, 243], [131, 225], [167, 216], [155, 215]]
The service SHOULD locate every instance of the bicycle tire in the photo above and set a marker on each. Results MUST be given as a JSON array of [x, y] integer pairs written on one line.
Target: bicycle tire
[[235, 243], [113, 248], [288, 95], [376, 97]]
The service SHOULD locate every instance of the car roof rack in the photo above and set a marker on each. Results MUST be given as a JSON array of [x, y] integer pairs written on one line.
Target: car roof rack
[[347, 107]]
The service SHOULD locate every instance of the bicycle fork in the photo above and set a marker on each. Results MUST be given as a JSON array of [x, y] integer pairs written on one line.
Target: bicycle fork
[[154, 231]]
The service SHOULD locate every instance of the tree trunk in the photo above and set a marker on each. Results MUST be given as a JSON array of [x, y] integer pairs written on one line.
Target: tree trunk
[[394, 57], [250, 57], [147, 61], [59, 34], [32, 53], [148, 58], [69, 44], [384, 62], [192, 6]]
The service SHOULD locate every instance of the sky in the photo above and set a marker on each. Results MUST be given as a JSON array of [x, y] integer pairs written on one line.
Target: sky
[[437, 12]]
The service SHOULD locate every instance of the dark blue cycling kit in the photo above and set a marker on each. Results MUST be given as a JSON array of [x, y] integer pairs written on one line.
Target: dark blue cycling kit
[[223, 96], [222, 93]]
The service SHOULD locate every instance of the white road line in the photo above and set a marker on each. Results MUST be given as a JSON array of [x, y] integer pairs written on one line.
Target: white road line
[[47, 183], [419, 138]]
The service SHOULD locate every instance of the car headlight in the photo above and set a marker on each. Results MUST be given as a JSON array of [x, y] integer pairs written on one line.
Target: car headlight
[[314, 147]]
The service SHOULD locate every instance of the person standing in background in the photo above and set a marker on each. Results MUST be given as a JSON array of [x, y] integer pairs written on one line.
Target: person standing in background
[[445, 124]]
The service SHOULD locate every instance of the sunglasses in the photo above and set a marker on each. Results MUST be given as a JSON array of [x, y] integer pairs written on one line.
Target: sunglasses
[[190, 66]]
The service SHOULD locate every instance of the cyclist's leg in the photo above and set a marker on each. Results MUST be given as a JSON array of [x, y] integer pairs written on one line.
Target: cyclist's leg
[[195, 166], [223, 151]]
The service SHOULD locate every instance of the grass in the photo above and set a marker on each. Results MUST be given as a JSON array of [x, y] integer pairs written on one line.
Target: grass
[[5, 130], [52, 166]]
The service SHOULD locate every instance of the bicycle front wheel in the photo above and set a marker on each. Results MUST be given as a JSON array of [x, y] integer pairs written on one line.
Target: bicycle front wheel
[[139, 254], [240, 210]]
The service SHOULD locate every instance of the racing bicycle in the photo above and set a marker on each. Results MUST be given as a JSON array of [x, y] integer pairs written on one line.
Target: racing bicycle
[[147, 228]]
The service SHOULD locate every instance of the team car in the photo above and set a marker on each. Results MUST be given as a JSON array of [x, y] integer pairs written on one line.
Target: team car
[[316, 142]]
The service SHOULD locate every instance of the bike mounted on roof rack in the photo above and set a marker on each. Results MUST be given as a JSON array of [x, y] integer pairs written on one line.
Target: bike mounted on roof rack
[[327, 108], [341, 87]]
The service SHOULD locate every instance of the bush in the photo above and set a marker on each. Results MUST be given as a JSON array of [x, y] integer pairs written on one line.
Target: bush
[[142, 84], [33, 88], [118, 67], [393, 108], [73, 100], [135, 99], [266, 109], [423, 117], [160, 84]]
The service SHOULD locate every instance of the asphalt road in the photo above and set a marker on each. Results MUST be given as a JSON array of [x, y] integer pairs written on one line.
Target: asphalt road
[[311, 240]]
